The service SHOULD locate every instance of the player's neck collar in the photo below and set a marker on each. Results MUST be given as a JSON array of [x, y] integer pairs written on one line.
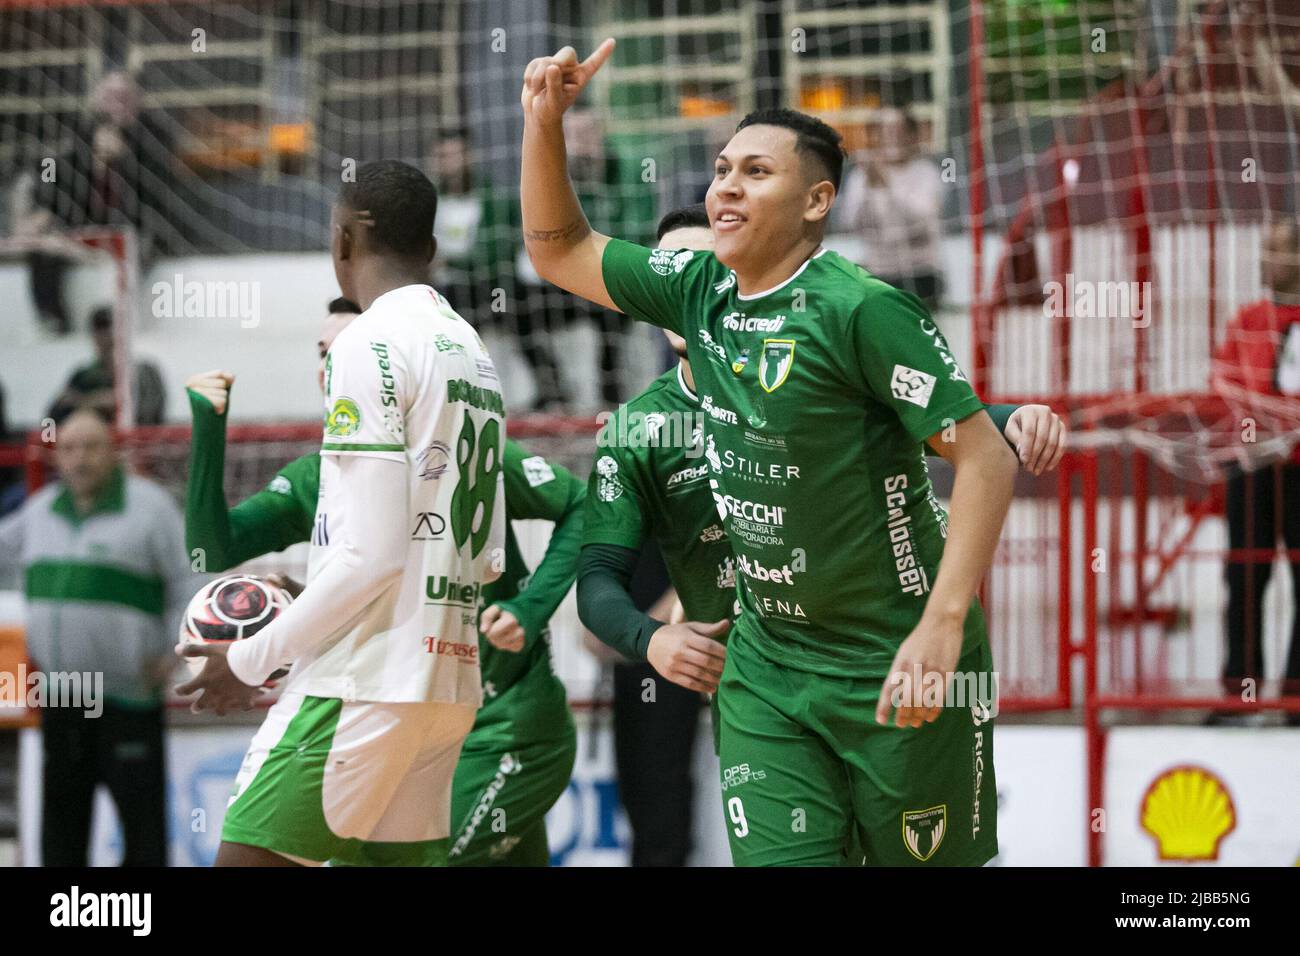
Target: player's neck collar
[[780, 285], [396, 290], [681, 380]]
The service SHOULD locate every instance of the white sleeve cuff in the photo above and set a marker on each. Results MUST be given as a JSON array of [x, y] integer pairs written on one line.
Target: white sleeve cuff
[[243, 663]]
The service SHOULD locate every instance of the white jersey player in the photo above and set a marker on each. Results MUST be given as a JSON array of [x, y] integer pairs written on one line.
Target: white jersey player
[[354, 762]]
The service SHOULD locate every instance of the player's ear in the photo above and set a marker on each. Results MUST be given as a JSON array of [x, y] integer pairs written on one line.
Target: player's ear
[[433, 249], [343, 241], [820, 199]]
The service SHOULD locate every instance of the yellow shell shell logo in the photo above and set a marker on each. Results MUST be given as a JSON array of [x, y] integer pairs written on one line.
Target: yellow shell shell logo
[[1189, 811]]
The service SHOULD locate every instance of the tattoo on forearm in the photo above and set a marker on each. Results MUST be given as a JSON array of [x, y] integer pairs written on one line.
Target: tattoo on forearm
[[570, 233]]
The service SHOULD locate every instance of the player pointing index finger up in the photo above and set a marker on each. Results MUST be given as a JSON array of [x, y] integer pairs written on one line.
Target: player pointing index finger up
[[856, 589]]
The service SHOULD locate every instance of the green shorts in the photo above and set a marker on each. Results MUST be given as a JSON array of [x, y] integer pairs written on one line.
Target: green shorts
[[810, 779], [500, 798]]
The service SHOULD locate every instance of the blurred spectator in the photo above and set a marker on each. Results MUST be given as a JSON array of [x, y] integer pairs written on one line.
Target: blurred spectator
[[1261, 353], [892, 202], [107, 579], [93, 384], [12, 481], [118, 173], [617, 203], [478, 232]]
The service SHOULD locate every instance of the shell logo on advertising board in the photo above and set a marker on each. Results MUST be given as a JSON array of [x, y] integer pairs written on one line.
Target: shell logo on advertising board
[[1189, 811]]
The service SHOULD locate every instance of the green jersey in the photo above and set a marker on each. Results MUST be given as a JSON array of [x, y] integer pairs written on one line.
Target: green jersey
[[821, 393], [651, 478], [523, 700]]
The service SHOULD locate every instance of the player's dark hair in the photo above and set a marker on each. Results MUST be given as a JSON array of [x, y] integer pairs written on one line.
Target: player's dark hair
[[687, 217], [62, 411], [344, 305], [812, 136], [399, 201], [102, 318]]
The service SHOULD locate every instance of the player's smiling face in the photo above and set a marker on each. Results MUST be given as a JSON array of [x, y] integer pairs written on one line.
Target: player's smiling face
[[758, 199]]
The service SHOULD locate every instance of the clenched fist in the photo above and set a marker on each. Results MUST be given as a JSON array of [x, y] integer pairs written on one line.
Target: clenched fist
[[214, 386], [502, 629]]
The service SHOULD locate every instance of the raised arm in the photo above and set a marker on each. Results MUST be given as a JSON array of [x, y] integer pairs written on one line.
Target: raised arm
[[218, 538], [560, 242]]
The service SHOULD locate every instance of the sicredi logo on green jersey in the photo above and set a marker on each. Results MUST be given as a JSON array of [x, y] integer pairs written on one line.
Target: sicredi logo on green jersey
[[740, 322]]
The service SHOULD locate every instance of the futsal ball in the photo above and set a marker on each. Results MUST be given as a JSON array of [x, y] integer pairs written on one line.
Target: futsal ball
[[232, 608]]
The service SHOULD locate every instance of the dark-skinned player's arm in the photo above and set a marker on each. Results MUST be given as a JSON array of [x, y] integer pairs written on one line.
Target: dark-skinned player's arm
[[560, 242], [985, 470]]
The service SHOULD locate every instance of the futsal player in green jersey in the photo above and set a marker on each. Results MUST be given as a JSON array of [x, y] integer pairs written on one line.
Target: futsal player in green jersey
[[650, 480], [829, 384], [518, 758]]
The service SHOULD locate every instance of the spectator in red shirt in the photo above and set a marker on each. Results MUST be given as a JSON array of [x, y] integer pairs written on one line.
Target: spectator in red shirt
[[1261, 353]]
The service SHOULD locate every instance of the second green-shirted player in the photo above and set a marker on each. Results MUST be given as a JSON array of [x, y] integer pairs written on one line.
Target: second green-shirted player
[[518, 758]]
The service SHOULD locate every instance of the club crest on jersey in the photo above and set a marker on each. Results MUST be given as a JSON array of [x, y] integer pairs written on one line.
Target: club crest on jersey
[[344, 418], [742, 360], [923, 830], [774, 365]]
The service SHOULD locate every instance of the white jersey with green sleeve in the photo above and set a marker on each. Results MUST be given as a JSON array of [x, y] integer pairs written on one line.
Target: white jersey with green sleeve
[[410, 381]]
